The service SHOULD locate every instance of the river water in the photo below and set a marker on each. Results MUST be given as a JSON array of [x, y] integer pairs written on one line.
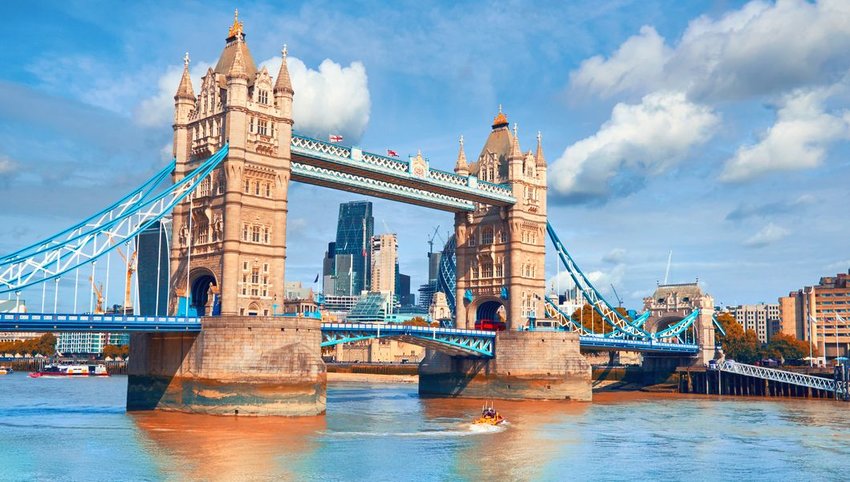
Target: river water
[[55, 429]]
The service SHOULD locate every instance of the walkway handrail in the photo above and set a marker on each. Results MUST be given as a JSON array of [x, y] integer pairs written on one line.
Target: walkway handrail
[[777, 375]]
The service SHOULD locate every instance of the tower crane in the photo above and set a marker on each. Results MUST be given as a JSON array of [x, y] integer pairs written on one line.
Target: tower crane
[[619, 300], [131, 268], [431, 239], [98, 308]]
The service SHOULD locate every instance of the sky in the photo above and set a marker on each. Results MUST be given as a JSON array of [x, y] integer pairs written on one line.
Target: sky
[[715, 130]]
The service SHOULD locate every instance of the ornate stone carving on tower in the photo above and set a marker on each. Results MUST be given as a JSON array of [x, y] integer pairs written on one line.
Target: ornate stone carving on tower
[[500, 251], [238, 215]]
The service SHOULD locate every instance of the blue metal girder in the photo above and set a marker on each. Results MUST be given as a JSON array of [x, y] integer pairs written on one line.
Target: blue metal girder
[[643, 346], [53, 323], [455, 341]]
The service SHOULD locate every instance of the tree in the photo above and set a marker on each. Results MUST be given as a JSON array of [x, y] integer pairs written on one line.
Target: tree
[[738, 344], [787, 347], [114, 351], [419, 321], [593, 321], [44, 345]]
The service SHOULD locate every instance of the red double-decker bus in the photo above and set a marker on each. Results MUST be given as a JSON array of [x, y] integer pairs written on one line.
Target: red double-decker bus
[[490, 325]]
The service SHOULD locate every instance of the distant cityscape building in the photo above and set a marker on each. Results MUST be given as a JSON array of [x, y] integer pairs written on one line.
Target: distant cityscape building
[[88, 343], [153, 268], [15, 306], [760, 318], [329, 270], [402, 290], [371, 308], [355, 227], [427, 290], [384, 254], [813, 312]]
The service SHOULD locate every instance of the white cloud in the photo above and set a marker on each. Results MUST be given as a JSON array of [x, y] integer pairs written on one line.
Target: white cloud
[[8, 169], [761, 48], [635, 66], [796, 141], [158, 110], [640, 139], [331, 100], [601, 280], [767, 235]]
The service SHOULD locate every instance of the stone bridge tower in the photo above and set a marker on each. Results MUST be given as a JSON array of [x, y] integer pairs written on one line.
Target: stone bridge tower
[[501, 251], [670, 303], [234, 244]]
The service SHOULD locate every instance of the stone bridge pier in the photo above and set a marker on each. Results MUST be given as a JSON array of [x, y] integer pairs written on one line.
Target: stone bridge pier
[[527, 366]]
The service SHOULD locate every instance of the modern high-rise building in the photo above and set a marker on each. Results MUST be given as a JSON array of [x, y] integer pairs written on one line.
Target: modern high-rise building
[[355, 228], [154, 269], [757, 318], [328, 270], [402, 290], [384, 254], [820, 313]]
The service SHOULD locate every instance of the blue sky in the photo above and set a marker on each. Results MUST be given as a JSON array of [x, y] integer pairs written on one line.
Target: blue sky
[[717, 130]]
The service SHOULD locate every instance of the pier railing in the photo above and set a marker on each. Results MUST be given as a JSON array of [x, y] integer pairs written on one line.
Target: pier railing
[[776, 375]]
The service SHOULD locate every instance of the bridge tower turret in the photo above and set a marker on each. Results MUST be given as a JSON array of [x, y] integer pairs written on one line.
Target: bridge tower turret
[[238, 220], [501, 251]]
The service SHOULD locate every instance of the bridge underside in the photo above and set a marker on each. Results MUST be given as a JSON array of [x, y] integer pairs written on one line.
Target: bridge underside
[[465, 343]]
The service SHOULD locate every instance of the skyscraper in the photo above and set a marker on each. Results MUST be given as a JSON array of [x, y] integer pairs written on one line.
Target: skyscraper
[[355, 228], [384, 263]]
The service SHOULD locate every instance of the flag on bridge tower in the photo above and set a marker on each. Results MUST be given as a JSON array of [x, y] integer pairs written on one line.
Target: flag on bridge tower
[[392, 153], [335, 138]]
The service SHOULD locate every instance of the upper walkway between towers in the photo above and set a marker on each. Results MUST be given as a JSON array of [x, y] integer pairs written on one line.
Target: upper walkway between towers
[[413, 181]]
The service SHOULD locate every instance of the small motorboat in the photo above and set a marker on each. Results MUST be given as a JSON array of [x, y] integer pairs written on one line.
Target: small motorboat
[[5, 370], [489, 416]]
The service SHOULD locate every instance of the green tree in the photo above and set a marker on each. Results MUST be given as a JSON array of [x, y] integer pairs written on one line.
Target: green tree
[[738, 344]]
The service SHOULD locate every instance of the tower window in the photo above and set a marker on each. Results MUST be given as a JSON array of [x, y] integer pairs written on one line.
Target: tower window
[[263, 127], [264, 97]]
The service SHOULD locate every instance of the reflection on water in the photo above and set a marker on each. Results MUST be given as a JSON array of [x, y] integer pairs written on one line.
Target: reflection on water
[[78, 430], [189, 446]]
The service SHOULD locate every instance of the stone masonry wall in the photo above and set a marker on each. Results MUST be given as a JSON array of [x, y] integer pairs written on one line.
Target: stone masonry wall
[[527, 365], [236, 365]]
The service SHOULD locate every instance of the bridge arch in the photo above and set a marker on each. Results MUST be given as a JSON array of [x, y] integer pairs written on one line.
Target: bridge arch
[[489, 308], [203, 299]]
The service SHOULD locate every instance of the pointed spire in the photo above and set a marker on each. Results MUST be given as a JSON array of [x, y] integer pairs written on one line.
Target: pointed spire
[[538, 156], [237, 28], [237, 69], [461, 167], [283, 83], [516, 151], [185, 90]]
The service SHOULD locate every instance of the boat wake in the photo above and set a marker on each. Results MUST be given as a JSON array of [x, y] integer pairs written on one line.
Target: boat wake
[[459, 430]]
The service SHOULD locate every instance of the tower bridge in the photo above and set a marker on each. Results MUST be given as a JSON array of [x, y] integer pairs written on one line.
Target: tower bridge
[[222, 348]]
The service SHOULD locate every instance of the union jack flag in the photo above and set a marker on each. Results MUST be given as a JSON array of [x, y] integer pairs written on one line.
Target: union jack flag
[[392, 153], [335, 138]]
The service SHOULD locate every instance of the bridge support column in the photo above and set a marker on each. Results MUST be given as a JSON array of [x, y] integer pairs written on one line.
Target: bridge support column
[[235, 366], [527, 366]]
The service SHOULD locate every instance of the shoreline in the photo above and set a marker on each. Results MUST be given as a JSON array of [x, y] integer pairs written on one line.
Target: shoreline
[[371, 378]]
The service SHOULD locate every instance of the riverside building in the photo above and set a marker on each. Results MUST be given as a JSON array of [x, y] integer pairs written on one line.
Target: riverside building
[[816, 312]]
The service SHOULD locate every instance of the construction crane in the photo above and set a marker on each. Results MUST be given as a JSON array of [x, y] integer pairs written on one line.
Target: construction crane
[[431, 239], [131, 268], [619, 300], [98, 308]]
